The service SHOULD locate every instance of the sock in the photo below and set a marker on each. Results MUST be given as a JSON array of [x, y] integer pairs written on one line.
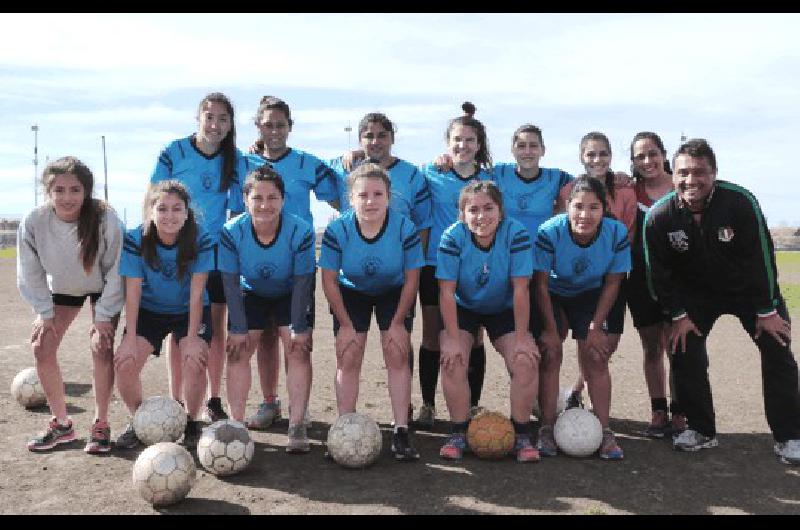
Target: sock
[[658, 404], [475, 373], [398, 427], [460, 428], [521, 428], [428, 374], [64, 423]]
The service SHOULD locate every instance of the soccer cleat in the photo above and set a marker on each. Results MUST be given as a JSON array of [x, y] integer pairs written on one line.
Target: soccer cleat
[[678, 424], [691, 440], [214, 410], [453, 449], [265, 416], [297, 442], [128, 438], [659, 425], [574, 399], [475, 411], [55, 434], [99, 438], [546, 444], [191, 435], [524, 449], [426, 417], [789, 451], [401, 446], [609, 449]]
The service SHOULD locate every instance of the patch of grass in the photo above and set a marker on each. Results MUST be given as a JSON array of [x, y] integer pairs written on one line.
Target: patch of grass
[[8, 252], [788, 261], [791, 293]]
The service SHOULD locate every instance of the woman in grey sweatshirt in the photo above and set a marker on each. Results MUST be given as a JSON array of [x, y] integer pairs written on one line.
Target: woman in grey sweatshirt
[[69, 249]]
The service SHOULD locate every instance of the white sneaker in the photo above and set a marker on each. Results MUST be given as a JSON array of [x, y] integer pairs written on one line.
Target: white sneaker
[[691, 440], [789, 452]]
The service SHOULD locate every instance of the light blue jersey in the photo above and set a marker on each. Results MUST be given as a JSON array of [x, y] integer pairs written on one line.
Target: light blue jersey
[[411, 195], [574, 268], [445, 189], [483, 276], [183, 161], [529, 201], [162, 290], [267, 270], [371, 266], [302, 173]]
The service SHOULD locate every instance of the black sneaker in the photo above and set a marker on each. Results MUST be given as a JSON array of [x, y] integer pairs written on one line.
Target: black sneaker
[[574, 400], [128, 438], [191, 435], [401, 446], [214, 410]]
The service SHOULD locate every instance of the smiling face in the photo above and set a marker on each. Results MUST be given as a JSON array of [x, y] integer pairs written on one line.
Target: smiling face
[[66, 194], [462, 144], [584, 211], [647, 158], [596, 158], [369, 197], [169, 213], [377, 142], [482, 216], [214, 123], [693, 178], [274, 128], [264, 203], [527, 150]]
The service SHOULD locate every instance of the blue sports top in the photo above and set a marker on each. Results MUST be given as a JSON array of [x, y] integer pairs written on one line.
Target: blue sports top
[[483, 275], [162, 290], [371, 266], [267, 270], [574, 268]]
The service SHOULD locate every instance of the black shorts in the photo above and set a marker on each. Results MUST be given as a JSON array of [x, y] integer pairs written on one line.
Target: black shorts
[[216, 293], [428, 286], [264, 313], [74, 301], [359, 308], [644, 310], [580, 309], [496, 325], [154, 327]]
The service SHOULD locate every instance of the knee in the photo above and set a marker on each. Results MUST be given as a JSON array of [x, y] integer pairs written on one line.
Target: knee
[[523, 369], [44, 353]]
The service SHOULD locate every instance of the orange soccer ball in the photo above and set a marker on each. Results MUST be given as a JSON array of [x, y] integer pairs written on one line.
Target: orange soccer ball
[[490, 435]]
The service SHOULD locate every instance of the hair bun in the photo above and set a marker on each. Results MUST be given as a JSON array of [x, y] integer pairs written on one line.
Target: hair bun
[[468, 108]]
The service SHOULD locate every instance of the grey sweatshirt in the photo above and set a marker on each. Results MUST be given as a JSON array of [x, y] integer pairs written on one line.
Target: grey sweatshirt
[[48, 262]]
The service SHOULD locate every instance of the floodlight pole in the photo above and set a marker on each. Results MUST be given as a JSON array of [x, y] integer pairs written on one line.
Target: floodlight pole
[[348, 130], [35, 129], [105, 168]]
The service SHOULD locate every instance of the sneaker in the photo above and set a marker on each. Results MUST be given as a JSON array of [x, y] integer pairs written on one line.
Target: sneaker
[[99, 438], [191, 435], [691, 440], [426, 417], [659, 425], [678, 424], [401, 446], [475, 411], [265, 416], [55, 434], [298, 439], [546, 444], [214, 410], [789, 452], [574, 399], [453, 449], [609, 449], [524, 449], [128, 438]]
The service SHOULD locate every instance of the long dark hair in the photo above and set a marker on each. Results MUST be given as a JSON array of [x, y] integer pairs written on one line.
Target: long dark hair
[[92, 210], [228, 145], [587, 184], [187, 237], [656, 139], [482, 157], [600, 137]]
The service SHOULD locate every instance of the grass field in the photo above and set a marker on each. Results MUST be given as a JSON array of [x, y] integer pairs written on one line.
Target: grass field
[[8, 252]]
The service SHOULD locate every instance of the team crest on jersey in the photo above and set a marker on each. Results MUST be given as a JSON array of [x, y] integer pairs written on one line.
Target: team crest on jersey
[[524, 201], [371, 265], [481, 275], [580, 264], [725, 234], [168, 269], [208, 181], [679, 240], [266, 270]]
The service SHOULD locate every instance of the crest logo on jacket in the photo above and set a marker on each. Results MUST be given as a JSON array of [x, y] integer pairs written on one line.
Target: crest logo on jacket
[[679, 240], [725, 234]]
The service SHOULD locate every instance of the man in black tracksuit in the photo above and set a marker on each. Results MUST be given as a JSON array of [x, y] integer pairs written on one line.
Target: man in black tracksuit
[[709, 253]]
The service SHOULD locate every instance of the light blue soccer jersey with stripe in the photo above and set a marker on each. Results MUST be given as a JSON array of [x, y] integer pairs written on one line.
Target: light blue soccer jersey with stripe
[[371, 266], [267, 270], [483, 276], [302, 173], [529, 201], [574, 268], [162, 290], [182, 161], [411, 195], [445, 189]]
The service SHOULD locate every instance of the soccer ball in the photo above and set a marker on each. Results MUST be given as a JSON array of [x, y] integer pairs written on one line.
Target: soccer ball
[[354, 440], [27, 389], [159, 419], [561, 404], [164, 473], [578, 432], [490, 435], [225, 447]]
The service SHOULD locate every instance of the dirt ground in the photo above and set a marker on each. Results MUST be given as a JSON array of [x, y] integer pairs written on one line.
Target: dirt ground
[[742, 476]]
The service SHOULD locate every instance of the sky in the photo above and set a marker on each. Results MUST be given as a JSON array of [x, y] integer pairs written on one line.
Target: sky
[[136, 79]]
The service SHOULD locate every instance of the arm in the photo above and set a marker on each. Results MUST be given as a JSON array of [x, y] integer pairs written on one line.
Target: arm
[[397, 334], [113, 296], [629, 208], [31, 276], [596, 339], [301, 300], [424, 237]]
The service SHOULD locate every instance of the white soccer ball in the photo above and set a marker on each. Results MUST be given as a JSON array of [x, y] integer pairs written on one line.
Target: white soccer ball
[[164, 473], [27, 389], [561, 404], [354, 440], [159, 419], [578, 432], [225, 447]]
